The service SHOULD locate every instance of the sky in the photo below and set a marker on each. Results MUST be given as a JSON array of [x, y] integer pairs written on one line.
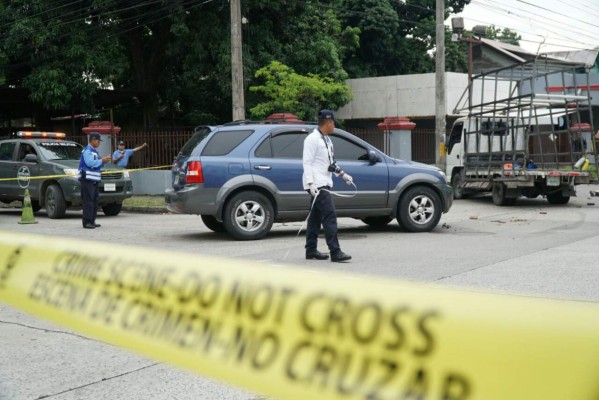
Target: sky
[[548, 25]]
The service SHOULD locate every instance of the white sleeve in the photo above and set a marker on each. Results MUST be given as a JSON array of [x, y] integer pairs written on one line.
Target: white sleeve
[[308, 158]]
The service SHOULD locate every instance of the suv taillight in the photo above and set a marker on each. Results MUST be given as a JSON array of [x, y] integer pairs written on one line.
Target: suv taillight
[[194, 173]]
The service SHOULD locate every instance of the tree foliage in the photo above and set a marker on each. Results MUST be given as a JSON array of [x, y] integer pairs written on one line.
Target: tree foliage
[[504, 35], [397, 37], [174, 55], [48, 51], [284, 89]]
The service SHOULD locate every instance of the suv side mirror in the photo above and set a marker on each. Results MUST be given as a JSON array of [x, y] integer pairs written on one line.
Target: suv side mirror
[[30, 158], [373, 158]]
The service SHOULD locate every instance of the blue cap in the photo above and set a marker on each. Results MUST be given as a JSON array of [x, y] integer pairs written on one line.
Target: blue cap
[[326, 114], [95, 135]]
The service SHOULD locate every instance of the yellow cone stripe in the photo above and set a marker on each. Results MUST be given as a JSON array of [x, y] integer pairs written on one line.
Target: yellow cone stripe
[[291, 334]]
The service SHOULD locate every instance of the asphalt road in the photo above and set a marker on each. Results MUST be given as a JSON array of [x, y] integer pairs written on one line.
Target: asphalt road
[[531, 249]]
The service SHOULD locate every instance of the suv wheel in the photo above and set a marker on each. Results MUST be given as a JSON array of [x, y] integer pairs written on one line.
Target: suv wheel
[[56, 206], [212, 223], [112, 209], [419, 209], [248, 216]]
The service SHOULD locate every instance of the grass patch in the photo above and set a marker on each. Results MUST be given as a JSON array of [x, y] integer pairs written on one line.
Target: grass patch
[[145, 201]]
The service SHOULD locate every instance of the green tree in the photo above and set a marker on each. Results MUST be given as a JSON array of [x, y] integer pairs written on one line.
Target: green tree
[[456, 54], [306, 36], [397, 37], [47, 47], [504, 35], [284, 90], [63, 52]]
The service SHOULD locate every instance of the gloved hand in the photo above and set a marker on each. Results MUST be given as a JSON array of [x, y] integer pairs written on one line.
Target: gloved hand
[[347, 178], [313, 190]]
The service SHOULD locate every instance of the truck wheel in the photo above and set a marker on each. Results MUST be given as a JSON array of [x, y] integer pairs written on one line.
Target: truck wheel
[[56, 206], [557, 198], [248, 216], [112, 209], [212, 223], [456, 181], [419, 209], [499, 195], [377, 222]]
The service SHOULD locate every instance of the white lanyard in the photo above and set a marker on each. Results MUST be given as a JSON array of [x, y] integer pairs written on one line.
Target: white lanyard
[[330, 150]]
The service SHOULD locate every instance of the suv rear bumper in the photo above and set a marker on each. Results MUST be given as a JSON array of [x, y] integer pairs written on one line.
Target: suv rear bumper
[[191, 200]]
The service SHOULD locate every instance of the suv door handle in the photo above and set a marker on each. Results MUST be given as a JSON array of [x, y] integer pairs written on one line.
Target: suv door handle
[[263, 167]]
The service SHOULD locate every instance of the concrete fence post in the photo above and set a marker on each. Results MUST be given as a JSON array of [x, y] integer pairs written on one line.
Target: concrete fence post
[[400, 136]]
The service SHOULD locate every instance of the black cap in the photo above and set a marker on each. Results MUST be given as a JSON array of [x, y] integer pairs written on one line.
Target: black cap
[[95, 135], [326, 114], [121, 143]]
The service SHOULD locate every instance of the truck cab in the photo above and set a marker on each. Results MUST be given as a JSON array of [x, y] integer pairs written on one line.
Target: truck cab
[[484, 145]]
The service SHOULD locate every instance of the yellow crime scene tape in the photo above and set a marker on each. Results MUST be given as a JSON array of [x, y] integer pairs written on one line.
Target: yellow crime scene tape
[[296, 334], [103, 172]]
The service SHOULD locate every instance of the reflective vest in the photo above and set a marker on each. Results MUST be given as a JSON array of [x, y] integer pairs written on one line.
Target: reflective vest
[[86, 172]]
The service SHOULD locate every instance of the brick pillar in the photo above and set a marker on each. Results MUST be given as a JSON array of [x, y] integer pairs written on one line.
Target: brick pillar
[[400, 136]]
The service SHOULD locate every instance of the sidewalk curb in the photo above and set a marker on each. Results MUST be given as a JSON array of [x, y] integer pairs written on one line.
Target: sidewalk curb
[[145, 209]]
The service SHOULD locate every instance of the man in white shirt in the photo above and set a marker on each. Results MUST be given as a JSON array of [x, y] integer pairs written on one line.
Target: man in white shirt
[[319, 164]]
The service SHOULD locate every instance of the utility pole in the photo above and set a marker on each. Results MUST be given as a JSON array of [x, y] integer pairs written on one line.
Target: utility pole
[[237, 62], [440, 98]]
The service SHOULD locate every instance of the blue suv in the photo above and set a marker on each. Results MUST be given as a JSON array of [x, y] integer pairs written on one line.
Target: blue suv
[[241, 178]]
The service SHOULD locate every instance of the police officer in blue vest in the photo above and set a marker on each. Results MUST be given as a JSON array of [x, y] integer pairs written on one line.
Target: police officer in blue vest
[[90, 165]]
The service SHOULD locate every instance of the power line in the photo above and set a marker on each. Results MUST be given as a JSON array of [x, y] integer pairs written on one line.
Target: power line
[[48, 11], [525, 40], [530, 21], [546, 9], [493, 6], [574, 5], [91, 27]]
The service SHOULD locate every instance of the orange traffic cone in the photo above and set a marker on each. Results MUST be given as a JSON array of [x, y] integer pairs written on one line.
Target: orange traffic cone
[[27, 214]]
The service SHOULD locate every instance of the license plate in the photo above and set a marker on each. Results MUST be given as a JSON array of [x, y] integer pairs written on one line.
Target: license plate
[[110, 187], [553, 180]]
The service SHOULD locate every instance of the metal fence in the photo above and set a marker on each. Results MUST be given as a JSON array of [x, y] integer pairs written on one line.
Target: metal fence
[[423, 142], [423, 145], [164, 144], [376, 137]]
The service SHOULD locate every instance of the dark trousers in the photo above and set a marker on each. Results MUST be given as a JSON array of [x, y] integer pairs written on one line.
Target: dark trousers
[[323, 213], [89, 198]]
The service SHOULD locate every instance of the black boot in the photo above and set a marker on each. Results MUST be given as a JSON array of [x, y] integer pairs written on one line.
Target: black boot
[[316, 255], [340, 256]]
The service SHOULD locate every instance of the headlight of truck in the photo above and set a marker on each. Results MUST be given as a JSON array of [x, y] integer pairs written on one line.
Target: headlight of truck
[[126, 174], [71, 172]]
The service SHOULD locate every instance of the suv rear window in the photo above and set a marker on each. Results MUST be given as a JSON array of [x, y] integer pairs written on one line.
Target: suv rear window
[[199, 133], [224, 142], [283, 145]]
